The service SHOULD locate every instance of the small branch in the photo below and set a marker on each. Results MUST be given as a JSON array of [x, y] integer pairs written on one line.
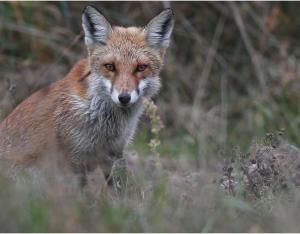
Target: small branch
[[193, 33], [210, 59], [208, 66], [251, 51]]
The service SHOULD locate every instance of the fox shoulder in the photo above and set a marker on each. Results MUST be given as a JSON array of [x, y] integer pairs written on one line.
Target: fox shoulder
[[76, 79]]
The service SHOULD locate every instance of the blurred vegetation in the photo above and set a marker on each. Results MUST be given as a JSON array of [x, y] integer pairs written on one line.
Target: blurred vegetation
[[231, 76]]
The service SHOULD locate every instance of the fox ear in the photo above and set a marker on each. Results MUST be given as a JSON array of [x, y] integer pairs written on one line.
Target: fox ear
[[96, 27], [159, 29]]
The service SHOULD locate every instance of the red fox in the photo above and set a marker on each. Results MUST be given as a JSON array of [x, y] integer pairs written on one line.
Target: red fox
[[88, 117]]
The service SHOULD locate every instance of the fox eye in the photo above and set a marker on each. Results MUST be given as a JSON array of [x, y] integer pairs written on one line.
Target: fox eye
[[110, 67], [141, 67]]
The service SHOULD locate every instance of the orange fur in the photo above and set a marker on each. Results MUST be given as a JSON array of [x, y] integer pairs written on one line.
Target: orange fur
[[29, 130]]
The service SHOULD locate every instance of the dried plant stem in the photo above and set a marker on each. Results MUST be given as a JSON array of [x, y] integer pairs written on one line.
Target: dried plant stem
[[151, 111], [255, 59]]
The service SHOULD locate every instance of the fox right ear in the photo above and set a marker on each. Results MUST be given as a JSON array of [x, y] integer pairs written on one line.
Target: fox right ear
[[96, 27]]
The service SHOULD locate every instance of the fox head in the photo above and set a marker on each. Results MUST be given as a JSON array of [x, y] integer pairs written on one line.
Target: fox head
[[126, 61]]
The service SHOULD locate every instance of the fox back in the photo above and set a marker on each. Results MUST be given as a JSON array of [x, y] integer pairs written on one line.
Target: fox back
[[87, 118]]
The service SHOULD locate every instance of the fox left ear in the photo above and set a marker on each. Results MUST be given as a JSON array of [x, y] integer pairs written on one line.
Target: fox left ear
[[96, 27], [159, 29]]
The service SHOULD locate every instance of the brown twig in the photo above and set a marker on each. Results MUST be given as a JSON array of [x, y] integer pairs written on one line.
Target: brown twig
[[202, 81], [255, 59]]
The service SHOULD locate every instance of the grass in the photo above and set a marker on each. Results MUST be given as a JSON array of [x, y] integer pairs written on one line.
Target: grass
[[177, 197]]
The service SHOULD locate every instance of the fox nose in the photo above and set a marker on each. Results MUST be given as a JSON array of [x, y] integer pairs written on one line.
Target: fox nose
[[124, 98]]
